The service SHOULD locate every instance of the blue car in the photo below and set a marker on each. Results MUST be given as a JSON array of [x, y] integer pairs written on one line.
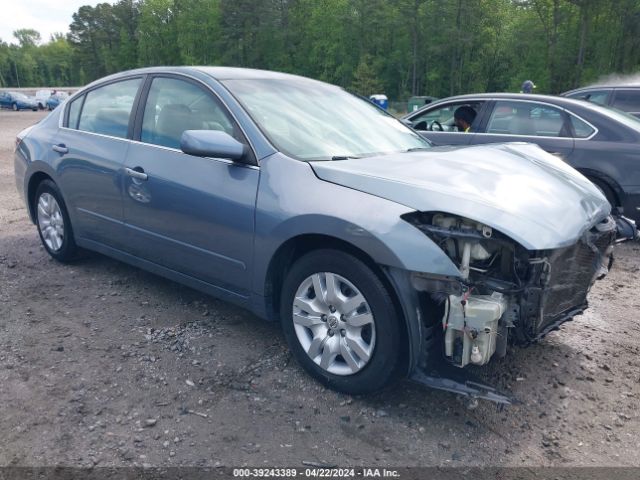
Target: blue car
[[17, 101], [382, 257], [56, 99]]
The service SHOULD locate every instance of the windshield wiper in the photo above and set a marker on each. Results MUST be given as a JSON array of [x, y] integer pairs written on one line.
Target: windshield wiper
[[417, 149], [344, 157]]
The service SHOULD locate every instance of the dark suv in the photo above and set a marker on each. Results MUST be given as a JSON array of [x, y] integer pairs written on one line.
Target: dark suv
[[622, 97]]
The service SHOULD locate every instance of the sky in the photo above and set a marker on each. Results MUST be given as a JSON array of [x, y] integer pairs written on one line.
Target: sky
[[45, 16]]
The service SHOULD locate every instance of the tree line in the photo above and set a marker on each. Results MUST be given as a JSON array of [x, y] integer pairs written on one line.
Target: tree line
[[397, 47]]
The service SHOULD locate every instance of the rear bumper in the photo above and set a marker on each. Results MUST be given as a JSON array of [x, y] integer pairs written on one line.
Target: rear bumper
[[20, 170]]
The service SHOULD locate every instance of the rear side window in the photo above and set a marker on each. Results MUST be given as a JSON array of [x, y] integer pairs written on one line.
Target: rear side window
[[174, 106], [107, 109], [596, 96], [627, 100], [74, 112], [529, 119]]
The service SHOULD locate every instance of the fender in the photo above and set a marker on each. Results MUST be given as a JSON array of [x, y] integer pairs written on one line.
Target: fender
[[337, 212]]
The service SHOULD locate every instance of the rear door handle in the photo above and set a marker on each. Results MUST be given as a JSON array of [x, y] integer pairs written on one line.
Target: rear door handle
[[60, 148], [137, 173]]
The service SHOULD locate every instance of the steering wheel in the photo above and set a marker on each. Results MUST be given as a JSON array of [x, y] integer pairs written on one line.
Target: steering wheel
[[435, 122]]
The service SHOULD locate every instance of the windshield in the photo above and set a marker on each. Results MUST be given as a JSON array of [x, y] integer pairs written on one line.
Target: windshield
[[312, 120], [20, 96]]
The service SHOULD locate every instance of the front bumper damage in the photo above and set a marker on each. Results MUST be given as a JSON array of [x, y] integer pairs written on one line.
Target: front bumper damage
[[506, 296]]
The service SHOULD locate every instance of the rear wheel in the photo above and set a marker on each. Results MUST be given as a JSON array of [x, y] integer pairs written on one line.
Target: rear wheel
[[52, 219], [14, 107], [340, 322]]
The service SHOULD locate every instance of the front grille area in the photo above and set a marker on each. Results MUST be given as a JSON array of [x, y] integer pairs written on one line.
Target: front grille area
[[572, 272]]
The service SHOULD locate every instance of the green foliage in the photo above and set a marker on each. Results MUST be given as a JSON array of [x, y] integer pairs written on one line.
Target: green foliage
[[396, 47]]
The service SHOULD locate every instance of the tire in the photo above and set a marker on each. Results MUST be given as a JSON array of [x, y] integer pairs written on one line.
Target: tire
[[354, 351], [54, 225], [14, 107], [606, 190]]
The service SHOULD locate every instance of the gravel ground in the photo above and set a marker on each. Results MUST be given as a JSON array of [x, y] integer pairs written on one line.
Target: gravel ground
[[103, 364]]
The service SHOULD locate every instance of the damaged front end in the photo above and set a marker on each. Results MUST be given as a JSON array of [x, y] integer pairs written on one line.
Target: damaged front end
[[505, 294]]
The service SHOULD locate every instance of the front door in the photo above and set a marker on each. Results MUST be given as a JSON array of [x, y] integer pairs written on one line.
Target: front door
[[190, 214], [438, 125]]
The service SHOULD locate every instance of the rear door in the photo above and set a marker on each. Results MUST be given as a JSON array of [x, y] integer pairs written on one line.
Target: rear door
[[89, 151], [528, 121], [190, 214], [437, 124]]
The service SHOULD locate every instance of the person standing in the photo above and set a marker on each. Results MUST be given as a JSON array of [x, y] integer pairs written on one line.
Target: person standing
[[527, 86]]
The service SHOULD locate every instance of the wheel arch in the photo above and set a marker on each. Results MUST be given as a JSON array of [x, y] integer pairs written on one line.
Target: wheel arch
[[35, 179], [294, 248], [608, 181]]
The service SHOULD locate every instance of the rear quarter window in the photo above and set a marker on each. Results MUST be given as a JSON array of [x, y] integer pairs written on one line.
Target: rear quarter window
[[581, 129], [74, 112]]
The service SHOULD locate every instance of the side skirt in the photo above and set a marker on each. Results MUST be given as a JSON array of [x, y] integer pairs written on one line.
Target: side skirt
[[204, 287]]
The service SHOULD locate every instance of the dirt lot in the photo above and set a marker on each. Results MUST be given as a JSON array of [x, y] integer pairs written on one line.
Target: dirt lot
[[103, 364]]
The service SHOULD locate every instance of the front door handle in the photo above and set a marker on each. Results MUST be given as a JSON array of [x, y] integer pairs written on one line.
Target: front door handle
[[137, 173], [60, 148]]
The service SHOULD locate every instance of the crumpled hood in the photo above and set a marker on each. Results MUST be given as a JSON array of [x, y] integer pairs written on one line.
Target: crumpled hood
[[516, 188]]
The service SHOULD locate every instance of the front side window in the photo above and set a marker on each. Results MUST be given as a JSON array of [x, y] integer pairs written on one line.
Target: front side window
[[627, 100], [311, 120], [595, 96], [442, 119], [107, 109], [529, 119], [174, 106]]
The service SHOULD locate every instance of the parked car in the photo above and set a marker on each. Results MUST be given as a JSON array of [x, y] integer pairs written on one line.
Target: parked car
[[619, 96], [42, 96], [601, 143], [381, 256], [17, 101], [56, 99]]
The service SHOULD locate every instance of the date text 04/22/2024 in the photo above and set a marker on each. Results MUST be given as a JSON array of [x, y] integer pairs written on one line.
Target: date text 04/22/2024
[[316, 473]]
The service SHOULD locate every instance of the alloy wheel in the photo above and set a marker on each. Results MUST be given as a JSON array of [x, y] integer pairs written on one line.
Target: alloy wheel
[[50, 222]]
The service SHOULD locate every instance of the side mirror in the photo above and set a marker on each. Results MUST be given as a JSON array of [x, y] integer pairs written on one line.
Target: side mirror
[[213, 143]]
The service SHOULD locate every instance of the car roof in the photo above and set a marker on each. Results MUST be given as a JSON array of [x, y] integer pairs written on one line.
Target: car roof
[[533, 97], [600, 86], [217, 73]]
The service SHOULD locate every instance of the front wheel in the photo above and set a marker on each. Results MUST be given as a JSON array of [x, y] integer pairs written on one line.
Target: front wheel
[[53, 222], [340, 322], [606, 190]]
